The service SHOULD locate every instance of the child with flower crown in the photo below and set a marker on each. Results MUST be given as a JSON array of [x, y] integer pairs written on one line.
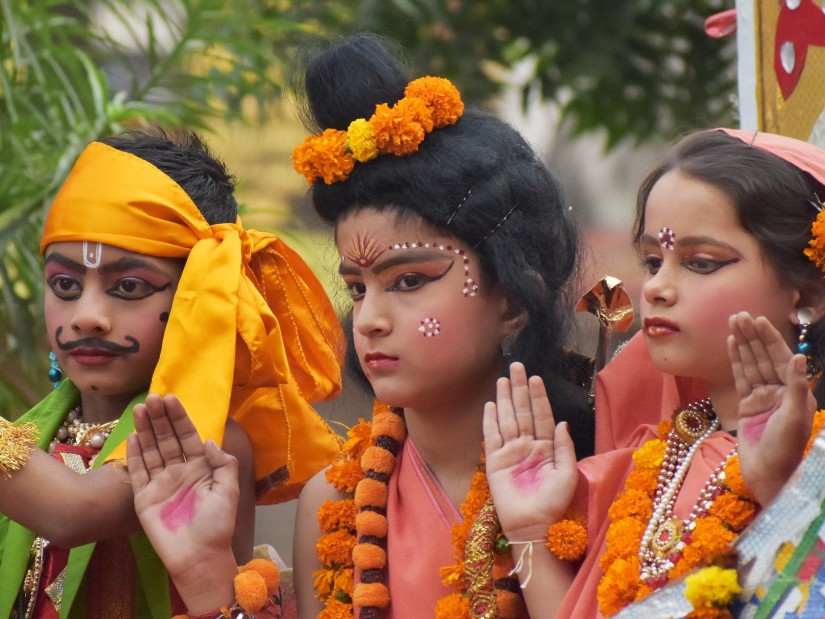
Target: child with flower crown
[[457, 253], [729, 231], [153, 284]]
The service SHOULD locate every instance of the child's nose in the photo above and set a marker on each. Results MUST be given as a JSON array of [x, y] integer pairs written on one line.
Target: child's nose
[[372, 316], [660, 287], [90, 316]]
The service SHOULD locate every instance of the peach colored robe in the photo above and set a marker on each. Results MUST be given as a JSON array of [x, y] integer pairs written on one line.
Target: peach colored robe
[[631, 398]]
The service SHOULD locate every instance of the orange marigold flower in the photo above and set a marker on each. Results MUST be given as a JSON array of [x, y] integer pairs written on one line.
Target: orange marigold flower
[[337, 515], [709, 613], [371, 594], [734, 480], [335, 547], [631, 504], [733, 511], [336, 610], [266, 568], [370, 492], [361, 140], [650, 455], [452, 575], [453, 606], [623, 537], [644, 480], [567, 539], [816, 249], [396, 130], [440, 95], [663, 429], [358, 439], [324, 156], [709, 539], [618, 586], [345, 475]]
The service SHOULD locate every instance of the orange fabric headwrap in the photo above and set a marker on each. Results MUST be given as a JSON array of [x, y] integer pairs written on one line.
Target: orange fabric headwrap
[[251, 333]]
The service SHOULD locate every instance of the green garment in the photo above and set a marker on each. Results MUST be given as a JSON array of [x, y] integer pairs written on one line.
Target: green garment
[[15, 540]]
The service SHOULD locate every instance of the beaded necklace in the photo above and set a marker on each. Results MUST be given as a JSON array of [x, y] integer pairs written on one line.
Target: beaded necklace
[[75, 431], [354, 532], [647, 545]]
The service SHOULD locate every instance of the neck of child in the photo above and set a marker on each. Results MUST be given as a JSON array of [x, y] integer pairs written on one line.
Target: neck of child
[[96, 408], [725, 401], [449, 439]]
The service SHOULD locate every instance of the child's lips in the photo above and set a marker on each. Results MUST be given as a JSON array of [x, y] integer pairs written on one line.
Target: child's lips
[[658, 327], [92, 356], [378, 360]]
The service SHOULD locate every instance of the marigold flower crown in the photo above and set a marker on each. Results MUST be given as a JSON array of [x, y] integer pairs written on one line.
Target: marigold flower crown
[[428, 103]]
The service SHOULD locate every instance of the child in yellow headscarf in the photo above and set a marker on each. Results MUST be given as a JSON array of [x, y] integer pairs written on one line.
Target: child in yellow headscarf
[[152, 284]]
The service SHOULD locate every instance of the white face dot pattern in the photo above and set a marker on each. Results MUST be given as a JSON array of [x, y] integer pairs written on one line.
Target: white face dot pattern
[[667, 238], [470, 286], [430, 327]]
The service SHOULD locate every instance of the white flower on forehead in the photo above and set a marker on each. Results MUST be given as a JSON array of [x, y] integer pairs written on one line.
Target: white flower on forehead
[[667, 238]]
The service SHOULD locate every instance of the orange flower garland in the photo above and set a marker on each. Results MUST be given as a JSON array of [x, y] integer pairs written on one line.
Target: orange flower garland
[[731, 510], [428, 103], [373, 447]]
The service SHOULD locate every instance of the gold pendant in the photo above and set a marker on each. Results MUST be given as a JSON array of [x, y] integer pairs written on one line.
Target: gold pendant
[[668, 534], [689, 424]]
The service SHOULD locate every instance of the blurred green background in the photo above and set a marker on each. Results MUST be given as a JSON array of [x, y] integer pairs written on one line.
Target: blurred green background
[[621, 76]]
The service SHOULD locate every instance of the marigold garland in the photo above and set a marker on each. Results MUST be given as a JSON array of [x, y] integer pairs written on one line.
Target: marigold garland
[[373, 446], [732, 509], [816, 246], [428, 103]]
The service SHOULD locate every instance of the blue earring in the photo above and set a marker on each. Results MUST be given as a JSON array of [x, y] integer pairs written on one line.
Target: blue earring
[[55, 374], [803, 346]]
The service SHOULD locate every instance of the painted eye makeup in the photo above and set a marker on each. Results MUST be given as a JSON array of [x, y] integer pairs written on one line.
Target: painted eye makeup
[[64, 287], [703, 265], [408, 282], [134, 289]]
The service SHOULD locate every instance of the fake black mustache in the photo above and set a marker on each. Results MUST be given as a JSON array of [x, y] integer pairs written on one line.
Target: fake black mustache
[[94, 342]]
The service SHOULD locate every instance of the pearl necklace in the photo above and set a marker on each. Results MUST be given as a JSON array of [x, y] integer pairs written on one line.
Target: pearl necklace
[[664, 537], [74, 431]]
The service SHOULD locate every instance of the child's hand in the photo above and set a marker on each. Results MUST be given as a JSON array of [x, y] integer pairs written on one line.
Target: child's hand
[[776, 407], [531, 462], [186, 494]]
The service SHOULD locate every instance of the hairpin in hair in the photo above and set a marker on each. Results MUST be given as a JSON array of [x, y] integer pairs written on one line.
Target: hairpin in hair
[[497, 226], [460, 204], [753, 139], [816, 203]]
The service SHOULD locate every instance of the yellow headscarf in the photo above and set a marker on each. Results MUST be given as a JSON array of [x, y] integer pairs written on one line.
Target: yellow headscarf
[[251, 335]]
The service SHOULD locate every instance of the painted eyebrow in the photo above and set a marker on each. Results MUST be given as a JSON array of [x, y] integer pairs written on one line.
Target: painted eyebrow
[[121, 264], [648, 239], [406, 257]]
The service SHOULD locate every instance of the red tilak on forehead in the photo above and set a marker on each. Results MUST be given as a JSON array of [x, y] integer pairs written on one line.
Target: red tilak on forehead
[[363, 251]]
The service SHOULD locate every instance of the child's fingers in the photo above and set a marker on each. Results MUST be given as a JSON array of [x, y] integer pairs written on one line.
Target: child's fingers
[[756, 363], [150, 455], [164, 434], [138, 474], [224, 467], [544, 424], [507, 425], [564, 450], [492, 436], [743, 385], [522, 399], [776, 346], [187, 436]]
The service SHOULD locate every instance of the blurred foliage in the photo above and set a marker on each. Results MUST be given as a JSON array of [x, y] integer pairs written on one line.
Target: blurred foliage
[[638, 69]]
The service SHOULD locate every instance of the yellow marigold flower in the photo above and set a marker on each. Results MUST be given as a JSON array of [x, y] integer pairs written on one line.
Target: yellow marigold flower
[[618, 586], [337, 515], [335, 547], [343, 581], [324, 156], [650, 455], [336, 610], [453, 606], [396, 129], [631, 504], [567, 539], [361, 140], [712, 587], [441, 96], [733, 511], [344, 475], [709, 613], [324, 580]]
